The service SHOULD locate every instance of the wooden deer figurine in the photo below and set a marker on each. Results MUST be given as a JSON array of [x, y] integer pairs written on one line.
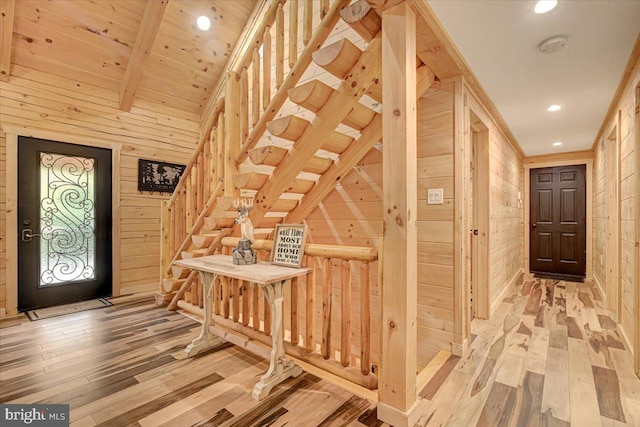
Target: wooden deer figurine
[[243, 254], [244, 206]]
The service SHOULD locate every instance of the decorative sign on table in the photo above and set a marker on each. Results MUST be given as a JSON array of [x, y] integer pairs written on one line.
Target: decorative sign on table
[[288, 245], [158, 176]]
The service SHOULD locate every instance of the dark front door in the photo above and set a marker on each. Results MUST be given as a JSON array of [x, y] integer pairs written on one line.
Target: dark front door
[[558, 220], [64, 223]]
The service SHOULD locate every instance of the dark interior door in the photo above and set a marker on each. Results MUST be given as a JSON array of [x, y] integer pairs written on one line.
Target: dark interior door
[[558, 220], [64, 223]]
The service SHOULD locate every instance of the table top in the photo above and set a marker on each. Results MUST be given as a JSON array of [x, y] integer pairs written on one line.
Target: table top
[[262, 273]]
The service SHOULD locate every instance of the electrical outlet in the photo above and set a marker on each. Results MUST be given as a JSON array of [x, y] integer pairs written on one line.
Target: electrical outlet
[[435, 196]]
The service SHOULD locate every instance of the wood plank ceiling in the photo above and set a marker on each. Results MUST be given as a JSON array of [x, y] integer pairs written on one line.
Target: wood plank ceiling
[[105, 43]]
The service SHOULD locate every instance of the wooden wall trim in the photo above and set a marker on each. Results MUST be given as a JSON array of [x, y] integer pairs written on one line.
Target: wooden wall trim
[[459, 235], [7, 11], [11, 224], [527, 201], [11, 179], [555, 157], [636, 272], [626, 77]]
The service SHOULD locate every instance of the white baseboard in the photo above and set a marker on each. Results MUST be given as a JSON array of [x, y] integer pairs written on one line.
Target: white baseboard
[[510, 283]]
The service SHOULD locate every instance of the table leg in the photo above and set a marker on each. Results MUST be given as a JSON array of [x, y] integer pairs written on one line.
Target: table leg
[[206, 339], [279, 368]]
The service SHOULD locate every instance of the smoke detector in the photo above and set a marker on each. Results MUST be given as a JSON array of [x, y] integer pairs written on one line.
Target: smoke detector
[[553, 44]]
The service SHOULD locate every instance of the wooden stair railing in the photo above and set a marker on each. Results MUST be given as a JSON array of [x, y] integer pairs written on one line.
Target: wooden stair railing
[[341, 348], [239, 121]]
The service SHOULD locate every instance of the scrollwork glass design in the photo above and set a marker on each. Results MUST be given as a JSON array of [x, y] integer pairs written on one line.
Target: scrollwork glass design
[[67, 219]]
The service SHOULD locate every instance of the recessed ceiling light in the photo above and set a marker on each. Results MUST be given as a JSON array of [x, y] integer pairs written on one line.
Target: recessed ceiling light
[[204, 23], [554, 107], [557, 144], [544, 6]]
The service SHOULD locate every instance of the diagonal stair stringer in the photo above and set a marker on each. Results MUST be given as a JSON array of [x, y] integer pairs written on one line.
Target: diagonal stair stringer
[[365, 73]]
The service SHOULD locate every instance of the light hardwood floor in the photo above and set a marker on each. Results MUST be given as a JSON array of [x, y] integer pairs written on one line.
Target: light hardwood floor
[[550, 355]]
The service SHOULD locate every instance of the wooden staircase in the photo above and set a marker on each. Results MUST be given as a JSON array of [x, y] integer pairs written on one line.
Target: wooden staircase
[[292, 178]]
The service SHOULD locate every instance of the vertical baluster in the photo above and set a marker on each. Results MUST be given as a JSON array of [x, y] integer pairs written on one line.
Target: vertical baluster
[[326, 308], [307, 25], [188, 200], [324, 8], [200, 185], [345, 343], [206, 167], [225, 297], [216, 295], [200, 294], [231, 132], [294, 311], [245, 303], [365, 319], [220, 149], [310, 308], [255, 87], [172, 231], [175, 220], [183, 216], [244, 104], [293, 32], [255, 293], [213, 158], [279, 46], [237, 285], [267, 317], [266, 68]]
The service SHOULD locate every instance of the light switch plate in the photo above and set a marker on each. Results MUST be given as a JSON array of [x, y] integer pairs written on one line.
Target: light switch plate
[[435, 196]]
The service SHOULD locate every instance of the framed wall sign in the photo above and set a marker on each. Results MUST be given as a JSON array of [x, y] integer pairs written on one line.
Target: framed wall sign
[[288, 245], [158, 176]]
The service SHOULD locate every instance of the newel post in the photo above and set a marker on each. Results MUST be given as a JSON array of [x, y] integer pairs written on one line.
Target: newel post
[[398, 404]]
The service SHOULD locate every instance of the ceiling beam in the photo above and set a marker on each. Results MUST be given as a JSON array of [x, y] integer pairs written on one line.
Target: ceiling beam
[[7, 9], [141, 50]]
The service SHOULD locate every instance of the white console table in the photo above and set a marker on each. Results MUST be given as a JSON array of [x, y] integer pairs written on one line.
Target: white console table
[[271, 279]]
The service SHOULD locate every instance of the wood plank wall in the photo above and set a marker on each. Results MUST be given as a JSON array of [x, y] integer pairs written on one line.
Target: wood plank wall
[[599, 255], [628, 177], [507, 215], [351, 214], [39, 101]]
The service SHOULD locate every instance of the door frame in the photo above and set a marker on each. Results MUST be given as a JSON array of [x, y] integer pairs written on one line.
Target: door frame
[[613, 284], [11, 179], [636, 272], [477, 121], [564, 159]]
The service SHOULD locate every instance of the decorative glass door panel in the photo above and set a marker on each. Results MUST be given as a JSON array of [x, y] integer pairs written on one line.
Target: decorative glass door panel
[[64, 223], [67, 219]]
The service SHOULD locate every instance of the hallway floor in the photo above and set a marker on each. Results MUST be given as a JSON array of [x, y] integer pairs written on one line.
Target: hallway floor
[[550, 356]]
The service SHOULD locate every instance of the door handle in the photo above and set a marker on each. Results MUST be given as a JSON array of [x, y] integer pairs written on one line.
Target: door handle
[[534, 225], [27, 235]]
